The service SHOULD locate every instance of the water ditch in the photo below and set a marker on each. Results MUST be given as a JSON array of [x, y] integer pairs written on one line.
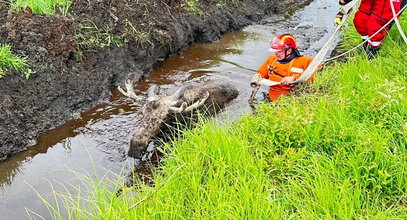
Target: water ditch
[[97, 142]]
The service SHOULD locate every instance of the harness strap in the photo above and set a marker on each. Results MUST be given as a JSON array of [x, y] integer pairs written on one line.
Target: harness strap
[[272, 71]]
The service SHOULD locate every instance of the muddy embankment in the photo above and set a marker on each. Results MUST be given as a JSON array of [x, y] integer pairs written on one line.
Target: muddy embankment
[[76, 59]]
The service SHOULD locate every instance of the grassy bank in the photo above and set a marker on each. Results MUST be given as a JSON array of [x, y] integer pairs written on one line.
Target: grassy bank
[[337, 152]]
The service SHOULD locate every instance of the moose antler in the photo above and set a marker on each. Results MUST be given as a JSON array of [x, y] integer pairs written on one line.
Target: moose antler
[[185, 108], [129, 90]]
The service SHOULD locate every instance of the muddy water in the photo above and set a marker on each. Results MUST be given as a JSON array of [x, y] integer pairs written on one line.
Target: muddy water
[[97, 142]]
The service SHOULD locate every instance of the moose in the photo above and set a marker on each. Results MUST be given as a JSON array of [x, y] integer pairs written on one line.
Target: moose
[[161, 113]]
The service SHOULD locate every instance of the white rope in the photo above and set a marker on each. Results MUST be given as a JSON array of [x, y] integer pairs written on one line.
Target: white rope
[[396, 20], [354, 48]]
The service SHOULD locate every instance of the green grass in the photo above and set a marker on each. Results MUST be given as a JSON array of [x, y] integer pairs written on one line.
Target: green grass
[[43, 6], [338, 152], [195, 7], [90, 35], [12, 62]]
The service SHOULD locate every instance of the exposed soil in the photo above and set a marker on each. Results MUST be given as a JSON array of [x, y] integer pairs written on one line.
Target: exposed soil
[[77, 59]]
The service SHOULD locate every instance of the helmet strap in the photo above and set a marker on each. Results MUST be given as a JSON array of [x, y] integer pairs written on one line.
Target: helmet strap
[[285, 53]]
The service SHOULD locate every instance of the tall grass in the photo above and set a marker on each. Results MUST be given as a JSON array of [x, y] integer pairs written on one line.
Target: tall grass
[[211, 174], [12, 62], [338, 152], [43, 6]]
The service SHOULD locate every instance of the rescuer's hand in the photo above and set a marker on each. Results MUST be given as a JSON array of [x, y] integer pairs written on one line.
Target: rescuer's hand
[[287, 80], [255, 80]]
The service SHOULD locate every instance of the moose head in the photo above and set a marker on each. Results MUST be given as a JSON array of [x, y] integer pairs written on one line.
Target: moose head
[[163, 112]]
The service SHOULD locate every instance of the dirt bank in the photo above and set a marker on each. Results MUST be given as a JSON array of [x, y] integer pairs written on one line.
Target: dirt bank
[[78, 58]]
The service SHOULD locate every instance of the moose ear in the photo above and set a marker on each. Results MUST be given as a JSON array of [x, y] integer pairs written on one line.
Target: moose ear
[[129, 92]]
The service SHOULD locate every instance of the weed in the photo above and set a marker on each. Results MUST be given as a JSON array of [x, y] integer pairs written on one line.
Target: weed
[[90, 35], [131, 32], [194, 6], [43, 6], [12, 62], [78, 55]]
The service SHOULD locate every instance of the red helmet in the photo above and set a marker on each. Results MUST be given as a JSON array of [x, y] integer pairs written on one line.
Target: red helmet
[[282, 42]]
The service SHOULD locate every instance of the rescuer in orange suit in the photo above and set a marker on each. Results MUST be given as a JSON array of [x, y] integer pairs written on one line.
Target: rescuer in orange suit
[[285, 66], [370, 17]]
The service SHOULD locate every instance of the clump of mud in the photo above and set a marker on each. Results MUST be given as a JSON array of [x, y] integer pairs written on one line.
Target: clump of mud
[[52, 35]]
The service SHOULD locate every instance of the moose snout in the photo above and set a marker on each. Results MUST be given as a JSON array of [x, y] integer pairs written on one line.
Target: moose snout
[[137, 149], [135, 153]]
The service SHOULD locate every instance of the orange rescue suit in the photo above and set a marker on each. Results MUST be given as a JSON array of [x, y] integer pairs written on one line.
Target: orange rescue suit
[[273, 70]]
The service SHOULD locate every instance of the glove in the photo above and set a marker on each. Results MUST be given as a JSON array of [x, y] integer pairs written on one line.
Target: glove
[[338, 19], [255, 80]]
